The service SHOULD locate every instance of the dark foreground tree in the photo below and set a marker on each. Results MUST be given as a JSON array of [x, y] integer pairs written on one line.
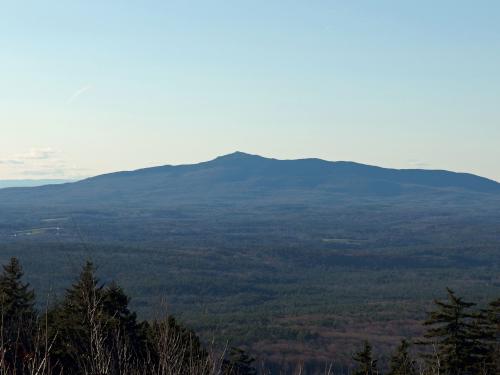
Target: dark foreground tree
[[239, 363], [457, 340], [401, 361], [92, 331], [492, 317], [74, 320], [95, 332], [94, 328], [18, 316], [365, 363], [175, 349]]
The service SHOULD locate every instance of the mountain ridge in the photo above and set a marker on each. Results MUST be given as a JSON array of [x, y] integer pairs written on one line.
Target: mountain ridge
[[239, 175], [239, 156]]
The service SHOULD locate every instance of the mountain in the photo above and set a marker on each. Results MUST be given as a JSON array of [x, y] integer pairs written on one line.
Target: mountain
[[241, 177]]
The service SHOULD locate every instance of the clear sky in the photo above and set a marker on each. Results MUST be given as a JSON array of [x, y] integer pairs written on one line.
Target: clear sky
[[94, 86]]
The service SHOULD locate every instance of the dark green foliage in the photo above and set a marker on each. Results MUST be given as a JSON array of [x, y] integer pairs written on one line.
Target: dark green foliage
[[492, 328], [15, 296], [93, 331], [71, 320], [93, 320], [494, 315], [458, 337], [239, 363], [365, 363], [122, 322], [401, 361], [18, 316]]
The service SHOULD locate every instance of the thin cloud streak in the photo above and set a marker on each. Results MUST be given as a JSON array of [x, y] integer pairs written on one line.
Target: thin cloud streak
[[78, 93]]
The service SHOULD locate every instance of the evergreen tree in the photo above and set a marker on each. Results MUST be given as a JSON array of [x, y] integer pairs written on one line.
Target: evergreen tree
[[366, 365], [120, 328], [18, 315], [119, 317], [239, 363], [93, 325], [401, 362], [72, 319], [452, 335], [16, 297], [492, 314]]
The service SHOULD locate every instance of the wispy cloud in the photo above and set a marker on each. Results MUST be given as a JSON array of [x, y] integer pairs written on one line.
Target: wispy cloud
[[38, 162], [414, 163], [82, 90], [11, 162], [33, 154], [38, 154]]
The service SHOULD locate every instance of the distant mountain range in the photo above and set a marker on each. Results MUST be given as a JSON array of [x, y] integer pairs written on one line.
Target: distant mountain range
[[31, 183], [241, 177]]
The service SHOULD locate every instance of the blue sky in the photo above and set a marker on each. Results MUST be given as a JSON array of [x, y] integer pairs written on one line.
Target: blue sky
[[88, 87]]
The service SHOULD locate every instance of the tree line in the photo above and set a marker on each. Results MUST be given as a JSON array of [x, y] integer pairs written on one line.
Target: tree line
[[92, 331]]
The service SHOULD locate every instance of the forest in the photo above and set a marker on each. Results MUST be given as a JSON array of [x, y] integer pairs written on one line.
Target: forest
[[92, 330], [291, 283]]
